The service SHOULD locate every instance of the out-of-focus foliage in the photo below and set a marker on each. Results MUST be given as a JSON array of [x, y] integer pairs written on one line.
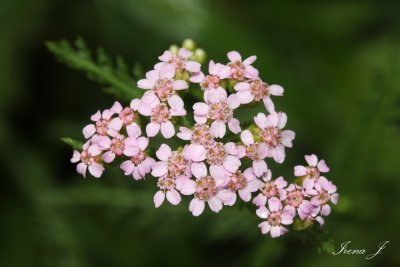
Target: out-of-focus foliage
[[339, 64]]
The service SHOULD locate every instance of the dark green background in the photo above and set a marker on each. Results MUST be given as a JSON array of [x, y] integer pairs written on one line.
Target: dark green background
[[339, 64]]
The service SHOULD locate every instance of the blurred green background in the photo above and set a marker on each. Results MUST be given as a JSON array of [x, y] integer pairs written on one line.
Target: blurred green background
[[338, 62]]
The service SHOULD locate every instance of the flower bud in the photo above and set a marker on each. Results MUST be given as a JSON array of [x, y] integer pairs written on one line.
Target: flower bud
[[174, 49], [189, 44], [200, 55]]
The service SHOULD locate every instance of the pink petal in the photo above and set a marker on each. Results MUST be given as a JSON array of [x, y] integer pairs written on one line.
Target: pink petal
[[251, 72], [275, 90], [249, 60], [300, 170], [227, 197], [260, 200], [215, 204], [219, 174], [133, 130], [265, 227], [272, 119], [143, 142], [96, 116], [287, 137], [232, 163], [274, 204], [116, 108], [159, 169], [326, 210], [259, 167], [96, 170], [233, 101], [164, 152], [188, 187], [173, 197], [245, 97], [201, 108], [116, 124], [167, 129], [322, 167], [167, 71], [175, 102], [218, 129], [196, 206], [180, 85], [262, 212], [152, 129], [261, 120], [184, 53], [135, 103], [282, 120], [234, 126], [192, 66], [275, 231], [166, 56], [185, 133], [312, 160], [108, 156], [242, 86], [278, 154], [197, 77], [195, 152], [76, 156], [127, 166], [247, 137], [158, 198], [81, 169], [89, 130], [269, 105], [234, 56], [199, 170]]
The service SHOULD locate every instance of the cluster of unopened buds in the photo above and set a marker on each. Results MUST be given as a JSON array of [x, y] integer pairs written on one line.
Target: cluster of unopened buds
[[212, 166]]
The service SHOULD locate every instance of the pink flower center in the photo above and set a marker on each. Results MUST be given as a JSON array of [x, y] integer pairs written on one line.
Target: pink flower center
[[88, 159], [274, 218], [164, 88], [259, 90], [178, 62], [252, 151], [177, 164], [210, 82], [220, 111], [160, 113], [166, 183], [137, 159], [238, 70], [127, 115], [270, 190], [237, 181], [323, 197], [216, 154], [313, 172], [117, 145], [294, 198], [205, 188], [201, 135], [102, 126], [271, 136]]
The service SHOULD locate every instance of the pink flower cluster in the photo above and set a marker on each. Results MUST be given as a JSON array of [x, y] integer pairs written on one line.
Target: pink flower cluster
[[210, 167]]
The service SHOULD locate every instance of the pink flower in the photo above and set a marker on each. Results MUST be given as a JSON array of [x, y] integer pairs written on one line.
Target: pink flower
[[139, 164], [244, 183], [172, 163], [167, 187], [161, 82], [241, 69], [272, 135], [275, 217], [222, 162], [270, 188], [256, 152], [89, 159], [220, 112], [257, 90], [296, 201], [161, 114], [104, 124], [206, 190], [323, 192], [211, 84], [312, 172], [180, 61], [200, 134]]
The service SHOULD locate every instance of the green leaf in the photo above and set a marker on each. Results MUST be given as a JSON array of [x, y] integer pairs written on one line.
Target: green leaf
[[116, 78], [77, 145]]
